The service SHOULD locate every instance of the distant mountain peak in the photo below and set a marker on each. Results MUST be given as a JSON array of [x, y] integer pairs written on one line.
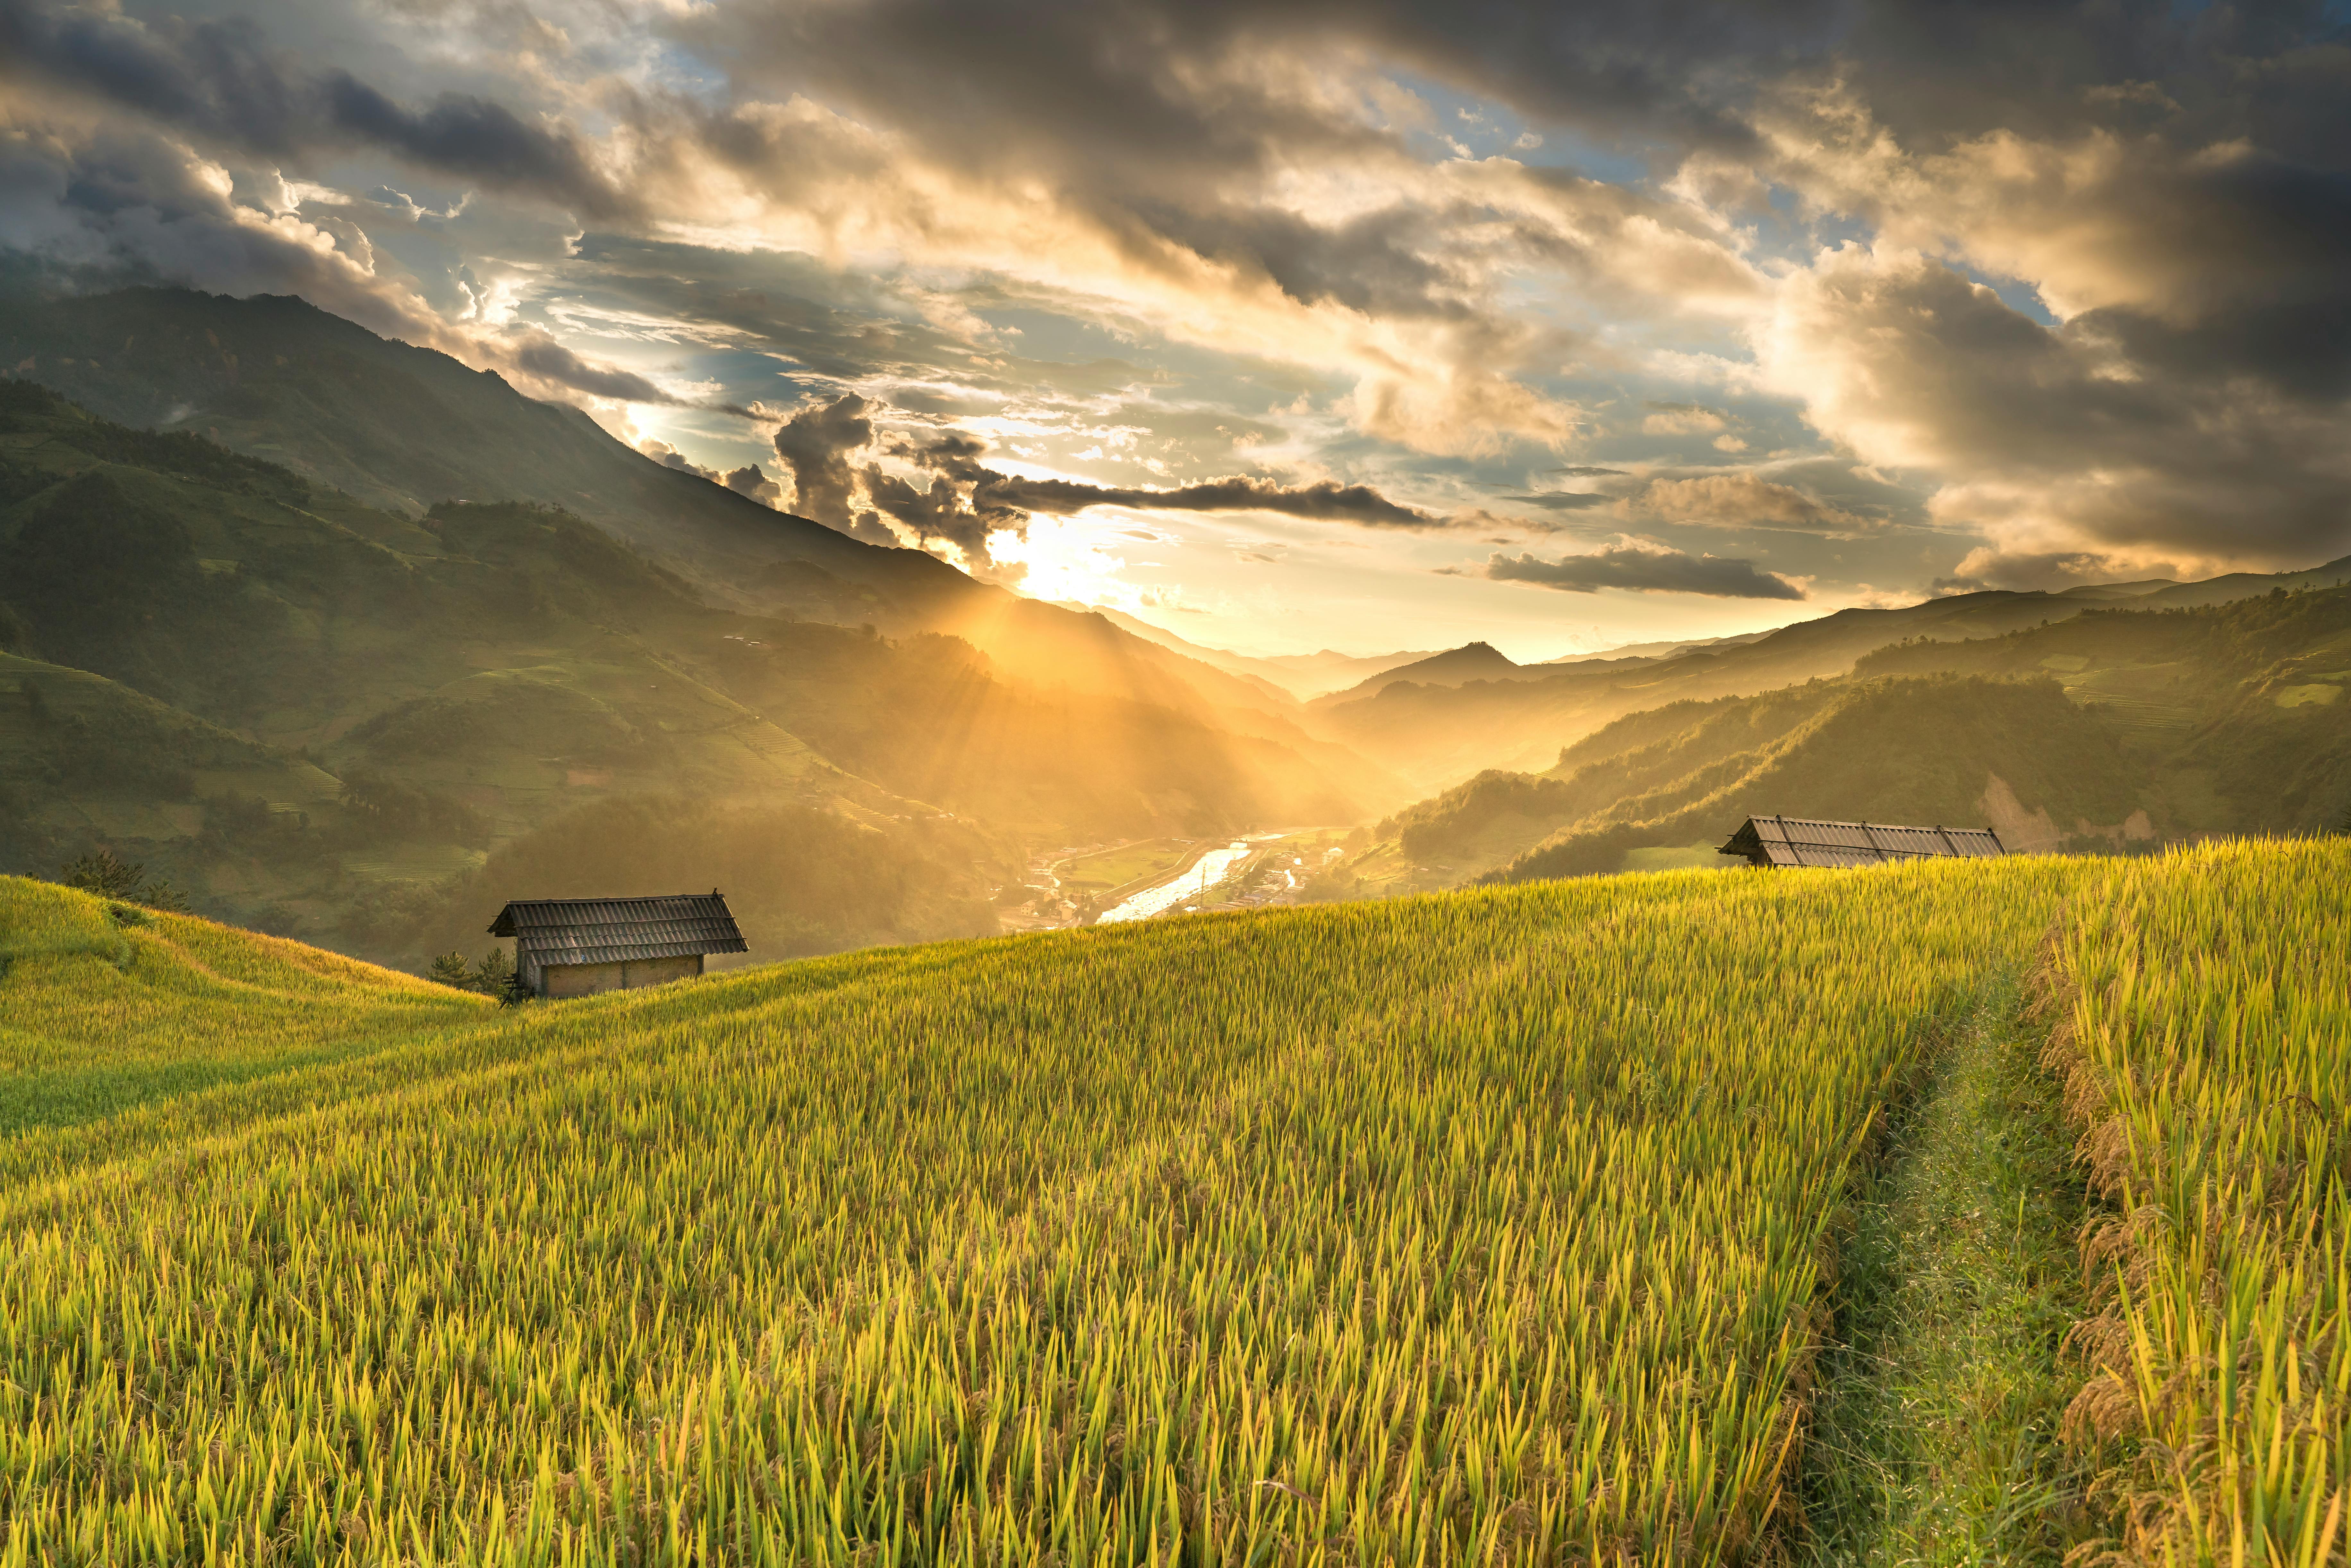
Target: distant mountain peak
[[1469, 656]]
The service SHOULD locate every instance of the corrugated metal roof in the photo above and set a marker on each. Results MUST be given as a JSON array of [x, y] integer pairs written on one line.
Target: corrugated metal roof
[[1805, 841], [609, 930]]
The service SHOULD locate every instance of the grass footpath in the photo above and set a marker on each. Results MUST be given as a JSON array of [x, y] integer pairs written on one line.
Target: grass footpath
[[1936, 1417]]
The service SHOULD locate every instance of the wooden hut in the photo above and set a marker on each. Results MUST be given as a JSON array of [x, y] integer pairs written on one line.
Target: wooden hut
[[577, 947], [1803, 840]]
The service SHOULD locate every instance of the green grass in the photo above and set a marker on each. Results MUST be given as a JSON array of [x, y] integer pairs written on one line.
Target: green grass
[[103, 1015], [1937, 1430]]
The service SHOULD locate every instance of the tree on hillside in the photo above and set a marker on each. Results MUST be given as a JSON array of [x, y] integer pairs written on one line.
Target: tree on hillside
[[108, 875], [452, 970], [494, 977], [104, 873]]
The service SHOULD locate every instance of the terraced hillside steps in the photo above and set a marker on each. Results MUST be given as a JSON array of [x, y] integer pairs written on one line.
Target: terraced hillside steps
[[1670, 1218]]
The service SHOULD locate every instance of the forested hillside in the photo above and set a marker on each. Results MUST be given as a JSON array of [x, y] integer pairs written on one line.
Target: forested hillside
[[406, 428], [2112, 729], [314, 714], [1477, 715]]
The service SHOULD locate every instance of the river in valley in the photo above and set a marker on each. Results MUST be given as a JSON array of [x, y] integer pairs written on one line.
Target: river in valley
[[1193, 881]]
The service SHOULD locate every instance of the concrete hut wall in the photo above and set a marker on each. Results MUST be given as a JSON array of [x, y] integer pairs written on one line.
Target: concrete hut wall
[[587, 979]]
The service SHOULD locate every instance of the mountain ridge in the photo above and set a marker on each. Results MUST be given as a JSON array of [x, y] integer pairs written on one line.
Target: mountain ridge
[[277, 378], [1300, 676], [449, 683], [1440, 735], [2171, 722], [285, 383]]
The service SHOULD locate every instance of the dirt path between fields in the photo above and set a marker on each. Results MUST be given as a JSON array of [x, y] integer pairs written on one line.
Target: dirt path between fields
[[1934, 1433]]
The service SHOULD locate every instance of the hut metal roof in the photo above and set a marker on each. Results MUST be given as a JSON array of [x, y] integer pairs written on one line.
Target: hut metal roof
[[612, 930], [1804, 840]]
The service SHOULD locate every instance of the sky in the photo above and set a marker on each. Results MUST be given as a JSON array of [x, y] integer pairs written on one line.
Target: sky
[[1287, 326]]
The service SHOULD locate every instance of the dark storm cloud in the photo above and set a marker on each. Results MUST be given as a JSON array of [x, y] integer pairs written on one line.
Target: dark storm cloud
[[1091, 86], [2174, 182], [669, 456], [1561, 500], [543, 357], [750, 481], [219, 81], [470, 137], [967, 500], [2059, 441], [1325, 501], [2270, 243], [2274, 72], [815, 445], [938, 512], [1646, 571]]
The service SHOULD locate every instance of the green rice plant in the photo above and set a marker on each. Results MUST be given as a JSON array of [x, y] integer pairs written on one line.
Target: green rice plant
[[2202, 1021], [103, 1006], [1473, 1227]]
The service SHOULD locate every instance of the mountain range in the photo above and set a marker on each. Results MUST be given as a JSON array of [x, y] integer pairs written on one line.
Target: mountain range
[[352, 642], [2119, 728], [325, 715], [1437, 732]]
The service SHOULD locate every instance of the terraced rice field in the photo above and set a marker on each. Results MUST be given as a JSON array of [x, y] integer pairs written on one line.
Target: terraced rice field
[[1475, 1228], [2203, 1028]]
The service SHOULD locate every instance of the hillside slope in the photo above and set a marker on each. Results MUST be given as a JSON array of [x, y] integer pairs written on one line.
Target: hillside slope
[[1439, 735], [83, 758], [2235, 710], [2175, 723], [109, 1008], [1669, 785], [1540, 1199], [412, 693], [404, 429], [1956, 750]]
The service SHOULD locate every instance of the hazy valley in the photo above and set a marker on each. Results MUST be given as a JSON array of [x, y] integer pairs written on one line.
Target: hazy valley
[[378, 639]]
